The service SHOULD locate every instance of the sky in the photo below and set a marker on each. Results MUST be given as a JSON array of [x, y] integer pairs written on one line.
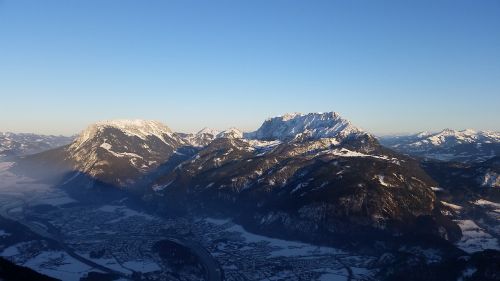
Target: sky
[[388, 66]]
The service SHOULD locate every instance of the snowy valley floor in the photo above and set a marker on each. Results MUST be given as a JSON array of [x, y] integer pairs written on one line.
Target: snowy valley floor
[[121, 239]]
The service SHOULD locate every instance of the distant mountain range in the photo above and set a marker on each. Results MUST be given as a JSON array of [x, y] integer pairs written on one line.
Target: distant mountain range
[[13, 145], [448, 145]]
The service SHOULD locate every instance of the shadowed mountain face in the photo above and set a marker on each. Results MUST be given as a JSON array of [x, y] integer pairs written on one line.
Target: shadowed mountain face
[[467, 181], [120, 152], [448, 145], [303, 173]]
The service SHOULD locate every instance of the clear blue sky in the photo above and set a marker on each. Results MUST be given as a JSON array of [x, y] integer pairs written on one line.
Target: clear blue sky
[[388, 66]]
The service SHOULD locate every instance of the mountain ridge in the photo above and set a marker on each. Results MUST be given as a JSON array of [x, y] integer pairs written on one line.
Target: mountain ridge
[[448, 144], [22, 144]]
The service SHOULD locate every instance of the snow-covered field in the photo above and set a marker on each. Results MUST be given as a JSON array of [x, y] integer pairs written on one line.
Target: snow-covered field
[[56, 264], [475, 238], [281, 247], [304, 251], [59, 265], [491, 221], [124, 212], [143, 266], [128, 267], [16, 193]]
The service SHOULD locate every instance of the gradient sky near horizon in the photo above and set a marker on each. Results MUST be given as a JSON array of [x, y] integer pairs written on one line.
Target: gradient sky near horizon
[[388, 66]]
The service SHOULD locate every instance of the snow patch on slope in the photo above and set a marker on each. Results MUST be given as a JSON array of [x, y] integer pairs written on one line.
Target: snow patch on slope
[[475, 238], [381, 179], [158, 187], [344, 152], [490, 179]]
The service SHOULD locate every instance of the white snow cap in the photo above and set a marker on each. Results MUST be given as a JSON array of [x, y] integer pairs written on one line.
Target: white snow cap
[[231, 133], [453, 137], [208, 131], [424, 134], [311, 125], [136, 127], [134, 124], [289, 116]]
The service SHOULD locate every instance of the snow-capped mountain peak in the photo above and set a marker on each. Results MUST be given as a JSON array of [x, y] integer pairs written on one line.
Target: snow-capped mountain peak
[[469, 131], [231, 133], [288, 116], [135, 146], [208, 131], [201, 138], [423, 134], [452, 137], [139, 128], [305, 126], [465, 145]]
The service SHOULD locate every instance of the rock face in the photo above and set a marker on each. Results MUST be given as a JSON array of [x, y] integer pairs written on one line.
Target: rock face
[[120, 152], [463, 146], [306, 127], [14, 145]]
